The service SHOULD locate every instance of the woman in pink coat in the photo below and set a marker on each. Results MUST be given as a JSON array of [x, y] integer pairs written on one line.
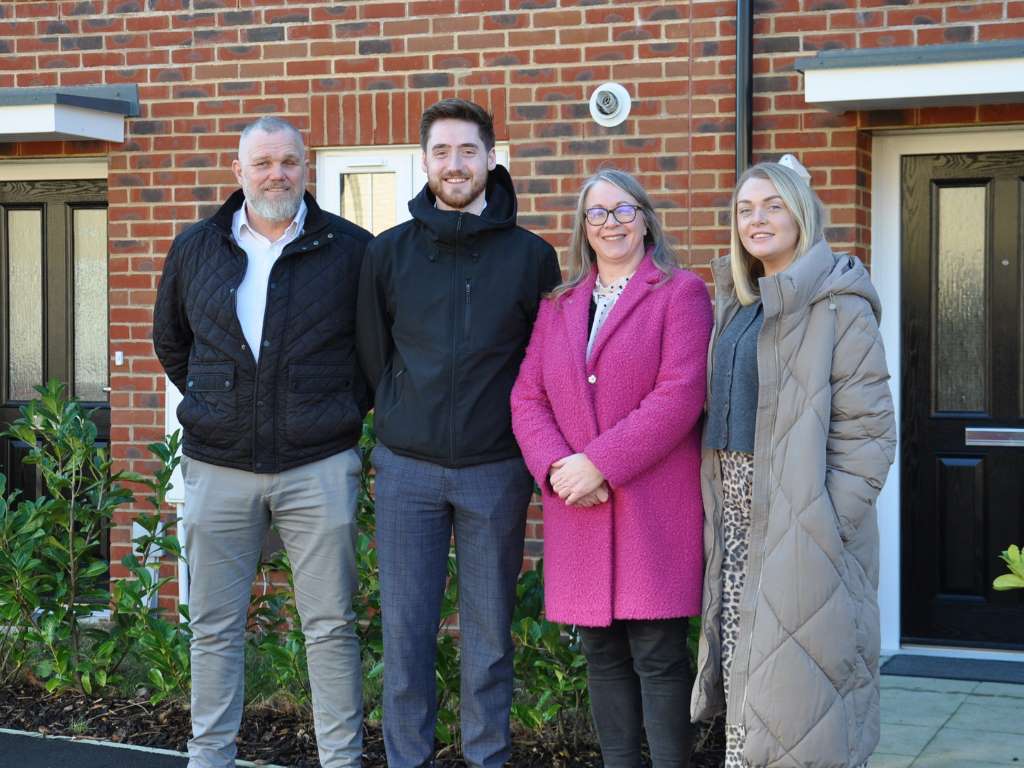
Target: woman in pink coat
[[607, 411]]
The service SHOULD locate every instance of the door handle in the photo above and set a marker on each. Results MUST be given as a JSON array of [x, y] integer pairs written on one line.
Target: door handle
[[106, 389], [1003, 437]]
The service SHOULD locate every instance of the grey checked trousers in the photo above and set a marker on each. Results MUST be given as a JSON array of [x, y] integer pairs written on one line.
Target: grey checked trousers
[[227, 513], [419, 504]]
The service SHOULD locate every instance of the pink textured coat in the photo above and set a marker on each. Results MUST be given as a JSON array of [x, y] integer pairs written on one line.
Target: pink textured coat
[[634, 409]]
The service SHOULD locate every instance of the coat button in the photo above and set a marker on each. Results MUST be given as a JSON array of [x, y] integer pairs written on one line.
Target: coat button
[[330, 235], [244, 347], [316, 242], [227, 384], [266, 342], [191, 383], [592, 379]]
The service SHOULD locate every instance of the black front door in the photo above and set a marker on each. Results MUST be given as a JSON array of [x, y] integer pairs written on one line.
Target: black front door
[[963, 397], [53, 284]]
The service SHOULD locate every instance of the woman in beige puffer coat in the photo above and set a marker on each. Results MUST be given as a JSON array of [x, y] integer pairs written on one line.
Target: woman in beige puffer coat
[[798, 441]]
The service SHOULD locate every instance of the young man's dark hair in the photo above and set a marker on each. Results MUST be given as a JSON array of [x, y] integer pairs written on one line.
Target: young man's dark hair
[[458, 109]]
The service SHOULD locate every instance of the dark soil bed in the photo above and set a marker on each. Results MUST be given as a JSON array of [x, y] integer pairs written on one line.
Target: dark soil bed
[[267, 735]]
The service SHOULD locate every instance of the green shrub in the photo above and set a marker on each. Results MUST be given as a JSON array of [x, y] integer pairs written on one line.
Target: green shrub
[[63, 579], [52, 575]]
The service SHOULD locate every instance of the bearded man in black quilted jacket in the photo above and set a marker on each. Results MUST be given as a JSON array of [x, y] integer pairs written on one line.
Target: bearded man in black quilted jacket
[[255, 324]]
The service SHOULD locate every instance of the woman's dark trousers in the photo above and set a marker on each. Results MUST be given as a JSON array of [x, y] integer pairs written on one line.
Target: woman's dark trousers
[[640, 680]]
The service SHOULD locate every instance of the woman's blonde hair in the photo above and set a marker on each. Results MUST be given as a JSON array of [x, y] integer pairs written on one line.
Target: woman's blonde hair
[[802, 204], [582, 258]]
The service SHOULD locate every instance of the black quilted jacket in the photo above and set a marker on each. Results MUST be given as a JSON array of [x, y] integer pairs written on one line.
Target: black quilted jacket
[[446, 307], [306, 398]]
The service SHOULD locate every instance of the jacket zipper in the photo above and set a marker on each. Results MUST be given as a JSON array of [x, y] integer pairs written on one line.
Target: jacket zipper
[[263, 331], [720, 312], [451, 394], [465, 319], [764, 539]]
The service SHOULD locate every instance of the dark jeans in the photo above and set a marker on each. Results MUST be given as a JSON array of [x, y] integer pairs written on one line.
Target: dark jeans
[[639, 677], [419, 504]]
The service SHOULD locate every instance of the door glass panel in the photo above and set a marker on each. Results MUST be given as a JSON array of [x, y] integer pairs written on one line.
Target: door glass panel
[[90, 280], [960, 348], [368, 199], [25, 302]]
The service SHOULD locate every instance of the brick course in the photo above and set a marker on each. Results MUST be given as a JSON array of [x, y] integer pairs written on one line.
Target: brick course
[[360, 73]]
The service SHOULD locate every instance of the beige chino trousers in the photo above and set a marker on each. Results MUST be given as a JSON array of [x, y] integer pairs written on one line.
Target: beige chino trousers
[[227, 514]]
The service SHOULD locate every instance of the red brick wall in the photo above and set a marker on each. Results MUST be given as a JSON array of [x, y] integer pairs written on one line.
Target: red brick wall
[[355, 73]]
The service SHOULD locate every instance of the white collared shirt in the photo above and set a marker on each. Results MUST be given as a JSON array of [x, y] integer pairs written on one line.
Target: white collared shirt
[[251, 297]]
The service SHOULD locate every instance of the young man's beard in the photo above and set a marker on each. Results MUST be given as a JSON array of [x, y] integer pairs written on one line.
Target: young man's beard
[[458, 200]]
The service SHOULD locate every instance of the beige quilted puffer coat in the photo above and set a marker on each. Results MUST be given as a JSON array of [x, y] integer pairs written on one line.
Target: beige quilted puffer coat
[[805, 675]]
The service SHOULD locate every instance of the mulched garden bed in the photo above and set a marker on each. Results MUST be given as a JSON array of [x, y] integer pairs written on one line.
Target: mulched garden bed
[[267, 735]]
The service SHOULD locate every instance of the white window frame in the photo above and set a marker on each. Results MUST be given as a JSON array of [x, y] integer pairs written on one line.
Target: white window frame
[[405, 161]]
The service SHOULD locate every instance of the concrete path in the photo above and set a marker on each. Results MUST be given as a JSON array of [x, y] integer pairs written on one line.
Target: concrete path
[[930, 723]]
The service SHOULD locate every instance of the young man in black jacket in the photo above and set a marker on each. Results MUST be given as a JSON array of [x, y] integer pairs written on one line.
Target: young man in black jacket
[[255, 324], [446, 306]]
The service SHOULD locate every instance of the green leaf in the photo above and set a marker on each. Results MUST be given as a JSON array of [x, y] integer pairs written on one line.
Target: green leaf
[[157, 678], [1008, 581], [95, 568]]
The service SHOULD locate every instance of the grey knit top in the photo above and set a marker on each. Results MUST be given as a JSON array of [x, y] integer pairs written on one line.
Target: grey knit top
[[732, 409]]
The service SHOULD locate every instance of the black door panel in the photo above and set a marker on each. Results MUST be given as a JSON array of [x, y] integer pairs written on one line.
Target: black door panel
[[962, 367]]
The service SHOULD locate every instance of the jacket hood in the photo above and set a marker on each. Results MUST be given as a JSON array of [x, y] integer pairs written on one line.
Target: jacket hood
[[815, 276], [500, 212]]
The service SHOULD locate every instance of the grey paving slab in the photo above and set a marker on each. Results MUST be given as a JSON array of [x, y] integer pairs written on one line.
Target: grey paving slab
[[903, 707], [1000, 689], [962, 746], [950, 762], [928, 684], [999, 714], [890, 761], [905, 739]]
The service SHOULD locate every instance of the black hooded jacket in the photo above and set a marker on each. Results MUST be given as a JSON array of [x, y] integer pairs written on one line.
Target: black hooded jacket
[[306, 398], [446, 307]]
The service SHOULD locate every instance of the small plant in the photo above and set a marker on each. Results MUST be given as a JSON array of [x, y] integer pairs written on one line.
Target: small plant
[[52, 574], [276, 638], [23, 578], [69, 582], [1015, 578], [138, 625], [551, 672]]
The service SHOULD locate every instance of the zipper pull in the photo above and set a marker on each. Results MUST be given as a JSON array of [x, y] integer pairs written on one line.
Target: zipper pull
[[832, 301]]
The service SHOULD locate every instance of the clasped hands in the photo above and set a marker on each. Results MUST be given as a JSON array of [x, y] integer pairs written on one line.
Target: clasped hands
[[578, 482]]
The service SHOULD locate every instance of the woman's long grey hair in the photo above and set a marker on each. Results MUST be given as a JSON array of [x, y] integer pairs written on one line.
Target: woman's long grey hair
[[582, 257]]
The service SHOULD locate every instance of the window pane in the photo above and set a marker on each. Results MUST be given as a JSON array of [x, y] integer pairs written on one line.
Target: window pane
[[960, 349], [368, 199], [90, 265], [25, 302]]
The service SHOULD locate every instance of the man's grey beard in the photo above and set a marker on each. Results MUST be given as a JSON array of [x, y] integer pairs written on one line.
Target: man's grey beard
[[278, 209]]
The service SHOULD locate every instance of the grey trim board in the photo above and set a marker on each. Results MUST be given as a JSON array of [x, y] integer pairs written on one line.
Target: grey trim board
[[116, 99], [912, 54]]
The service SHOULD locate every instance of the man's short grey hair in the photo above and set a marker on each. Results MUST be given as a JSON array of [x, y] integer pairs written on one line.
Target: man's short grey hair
[[268, 124]]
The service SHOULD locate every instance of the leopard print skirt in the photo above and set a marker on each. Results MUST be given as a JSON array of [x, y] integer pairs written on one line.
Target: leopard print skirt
[[737, 491]]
